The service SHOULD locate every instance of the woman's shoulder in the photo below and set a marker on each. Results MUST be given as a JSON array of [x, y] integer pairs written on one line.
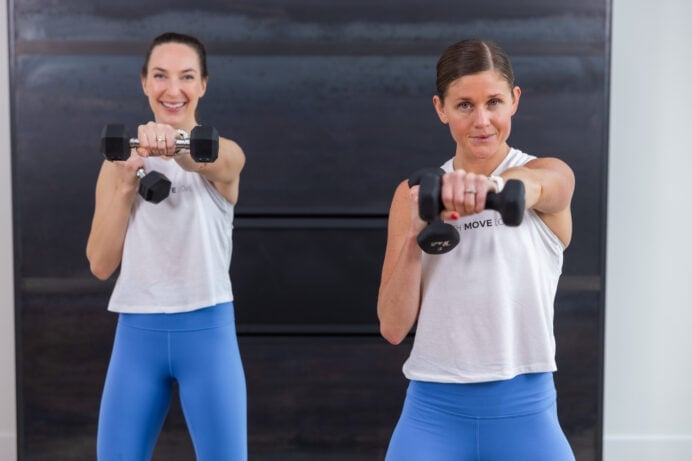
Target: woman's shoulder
[[230, 144], [517, 157], [233, 149]]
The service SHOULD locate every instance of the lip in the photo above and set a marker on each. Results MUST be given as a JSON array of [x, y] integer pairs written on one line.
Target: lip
[[173, 106], [482, 138]]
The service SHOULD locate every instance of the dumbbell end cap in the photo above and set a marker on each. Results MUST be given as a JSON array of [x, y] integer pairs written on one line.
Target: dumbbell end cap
[[204, 144], [415, 178], [438, 238], [513, 212], [154, 187], [115, 144]]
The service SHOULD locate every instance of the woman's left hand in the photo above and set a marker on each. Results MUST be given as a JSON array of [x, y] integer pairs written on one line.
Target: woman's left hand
[[463, 193], [156, 140]]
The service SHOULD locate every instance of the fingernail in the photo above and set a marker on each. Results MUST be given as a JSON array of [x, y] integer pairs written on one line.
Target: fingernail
[[454, 216]]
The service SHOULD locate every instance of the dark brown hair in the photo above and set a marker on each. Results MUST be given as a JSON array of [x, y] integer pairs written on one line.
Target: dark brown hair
[[469, 57], [175, 37]]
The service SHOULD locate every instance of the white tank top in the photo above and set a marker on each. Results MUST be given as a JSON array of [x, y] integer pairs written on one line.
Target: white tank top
[[177, 253], [487, 306]]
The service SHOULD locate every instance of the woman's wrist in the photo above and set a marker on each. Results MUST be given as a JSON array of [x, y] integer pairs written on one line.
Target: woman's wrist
[[496, 184], [127, 189], [181, 135]]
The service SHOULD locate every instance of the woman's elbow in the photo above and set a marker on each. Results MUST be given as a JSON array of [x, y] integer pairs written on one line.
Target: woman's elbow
[[393, 336], [101, 272], [100, 269]]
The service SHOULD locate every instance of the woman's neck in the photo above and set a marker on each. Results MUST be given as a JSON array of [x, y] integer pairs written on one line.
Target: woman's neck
[[484, 166]]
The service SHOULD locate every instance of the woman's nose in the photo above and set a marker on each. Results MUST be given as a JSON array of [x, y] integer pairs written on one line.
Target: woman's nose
[[172, 87], [482, 117]]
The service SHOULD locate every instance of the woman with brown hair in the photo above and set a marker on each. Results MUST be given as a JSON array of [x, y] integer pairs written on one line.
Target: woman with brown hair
[[173, 293], [481, 367]]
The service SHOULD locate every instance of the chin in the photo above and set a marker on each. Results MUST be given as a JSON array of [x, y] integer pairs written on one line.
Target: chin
[[170, 119], [483, 152]]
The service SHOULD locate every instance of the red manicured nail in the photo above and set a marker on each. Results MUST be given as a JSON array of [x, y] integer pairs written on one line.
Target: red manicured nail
[[454, 216]]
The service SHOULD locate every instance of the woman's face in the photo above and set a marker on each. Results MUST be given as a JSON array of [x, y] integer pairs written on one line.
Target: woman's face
[[174, 84], [478, 109]]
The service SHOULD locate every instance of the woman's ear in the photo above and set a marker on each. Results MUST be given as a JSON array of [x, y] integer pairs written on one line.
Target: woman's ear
[[516, 94], [143, 78], [204, 86], [440, 109]]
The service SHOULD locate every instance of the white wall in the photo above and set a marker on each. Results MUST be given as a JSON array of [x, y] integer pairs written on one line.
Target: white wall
[[648, 372], [8, 426]]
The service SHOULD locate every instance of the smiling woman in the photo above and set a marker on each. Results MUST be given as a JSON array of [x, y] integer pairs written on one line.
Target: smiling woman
[[173, 293], [174, 78]]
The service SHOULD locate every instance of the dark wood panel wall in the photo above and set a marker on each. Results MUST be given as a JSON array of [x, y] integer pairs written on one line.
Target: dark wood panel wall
[[332, 103]]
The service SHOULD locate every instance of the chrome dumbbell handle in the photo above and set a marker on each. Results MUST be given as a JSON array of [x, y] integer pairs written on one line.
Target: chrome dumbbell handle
[[180, 144]]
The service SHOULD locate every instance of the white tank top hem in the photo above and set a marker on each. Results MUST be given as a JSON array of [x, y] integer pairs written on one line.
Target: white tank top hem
[[172, 309], [177, 253], [487, 306], [450, 378]]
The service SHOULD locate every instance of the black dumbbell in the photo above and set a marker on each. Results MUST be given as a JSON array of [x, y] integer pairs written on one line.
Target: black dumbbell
[[153, 186], [439, 237], [510, 202], [203, 143]]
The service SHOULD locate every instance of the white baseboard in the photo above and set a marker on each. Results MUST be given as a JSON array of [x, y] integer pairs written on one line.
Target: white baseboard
[[8, 447], [647, 448]]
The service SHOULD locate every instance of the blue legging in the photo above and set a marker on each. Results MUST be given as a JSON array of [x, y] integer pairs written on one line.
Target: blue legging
[[495, 421], [199, 350]]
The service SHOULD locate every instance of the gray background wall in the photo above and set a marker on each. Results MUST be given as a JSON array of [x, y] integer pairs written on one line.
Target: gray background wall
[[626, 323], [649, 299]]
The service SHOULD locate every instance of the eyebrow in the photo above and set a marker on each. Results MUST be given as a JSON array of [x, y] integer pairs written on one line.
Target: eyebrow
[[490, 96], [161, 69]]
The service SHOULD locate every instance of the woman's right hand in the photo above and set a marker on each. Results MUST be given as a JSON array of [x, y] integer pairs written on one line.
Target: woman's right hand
[[127, 171], [416, 224], [116, 188], [399, 293]]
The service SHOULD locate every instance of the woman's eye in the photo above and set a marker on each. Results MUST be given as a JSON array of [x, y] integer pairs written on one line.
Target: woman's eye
[[464, 106], [494, 102]]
